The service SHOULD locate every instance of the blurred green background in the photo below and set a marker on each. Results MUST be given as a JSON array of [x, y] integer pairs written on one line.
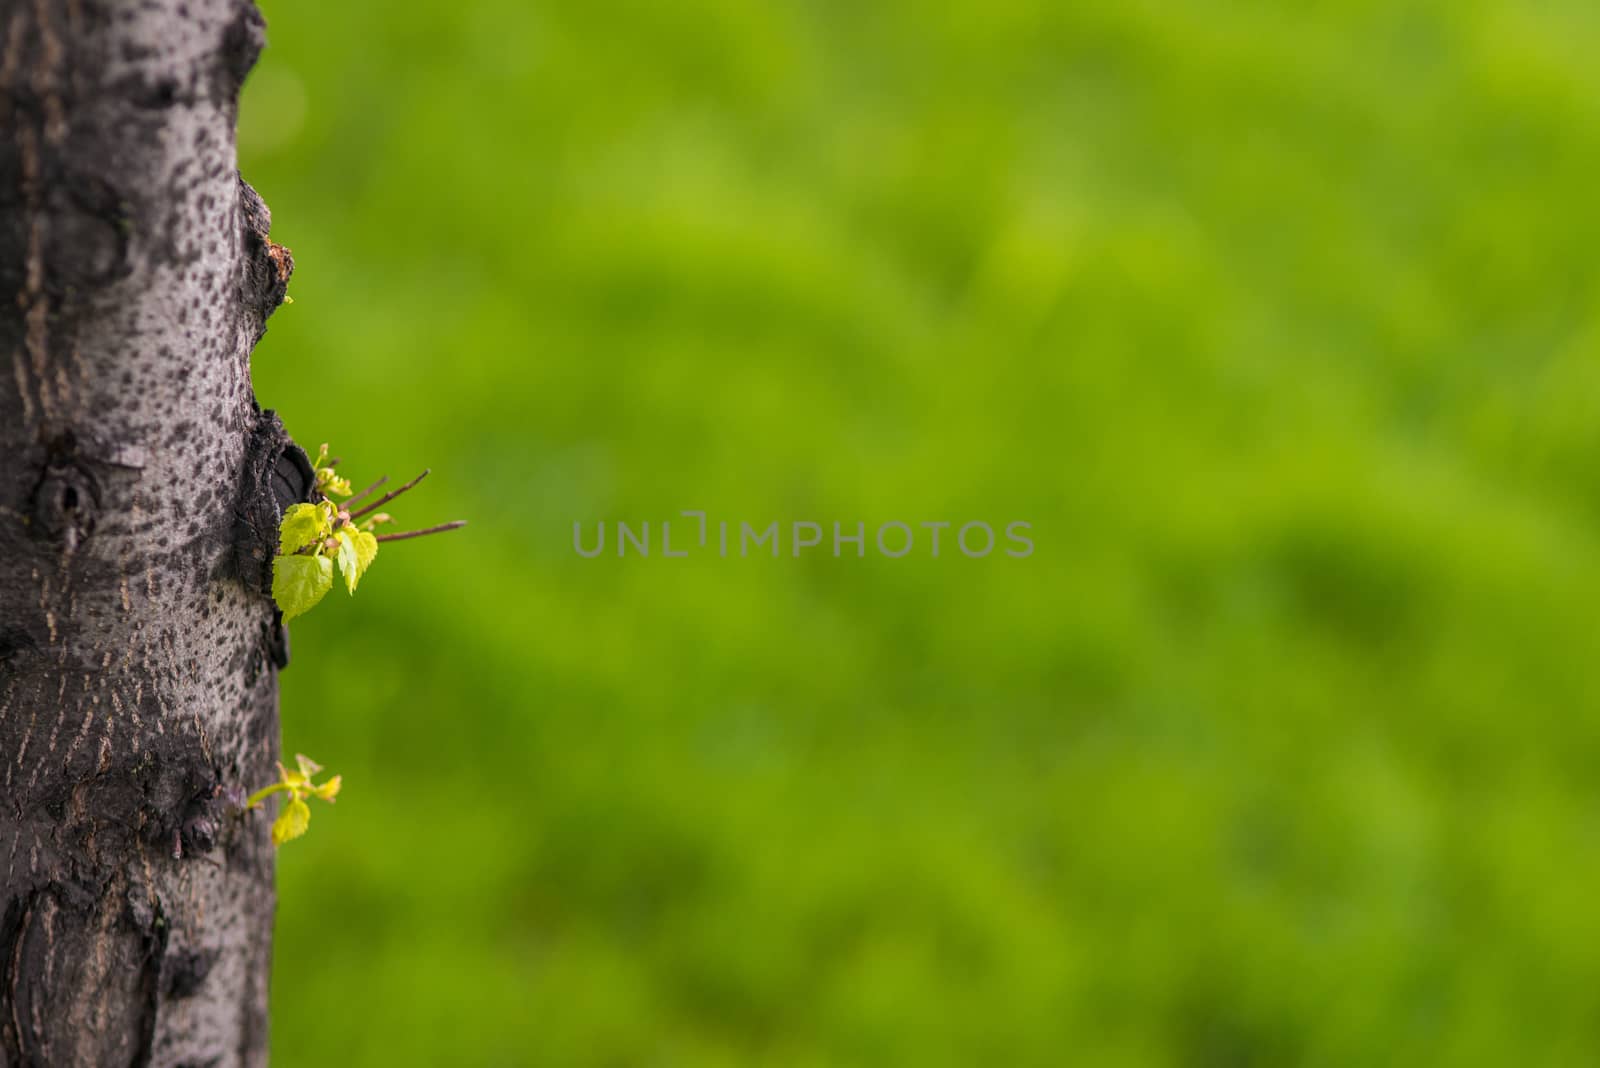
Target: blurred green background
[[1278, 323]]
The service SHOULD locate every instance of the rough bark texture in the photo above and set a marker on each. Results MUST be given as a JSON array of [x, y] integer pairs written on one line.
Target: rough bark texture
[[139, 490]]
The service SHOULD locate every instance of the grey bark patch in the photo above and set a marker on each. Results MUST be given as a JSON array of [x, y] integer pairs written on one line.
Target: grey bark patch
[[187, 971], [87, 240]]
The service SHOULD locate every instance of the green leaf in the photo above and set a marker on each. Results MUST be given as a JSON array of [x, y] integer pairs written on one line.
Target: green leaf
[[357, 549], [299, 582], [366, 551], [291, 822], [302, 524], [347, 559]]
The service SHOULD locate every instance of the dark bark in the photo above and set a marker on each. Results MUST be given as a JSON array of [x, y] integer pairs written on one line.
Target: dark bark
[[140, 487]]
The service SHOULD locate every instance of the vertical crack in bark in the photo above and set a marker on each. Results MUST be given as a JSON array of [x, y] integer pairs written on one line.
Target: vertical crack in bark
[[155, 940], [18, 912]]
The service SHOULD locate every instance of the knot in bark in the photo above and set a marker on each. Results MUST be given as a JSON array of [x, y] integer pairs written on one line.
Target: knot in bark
[[66, 504]]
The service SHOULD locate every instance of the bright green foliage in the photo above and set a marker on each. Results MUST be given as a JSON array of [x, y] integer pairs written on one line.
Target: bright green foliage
[[295, 816], [346, 555], [302, 524], [329, 483], [312, 536], [291, 822], [299, 582], [357, 549]]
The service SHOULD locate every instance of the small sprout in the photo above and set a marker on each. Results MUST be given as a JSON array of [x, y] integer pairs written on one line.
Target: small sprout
[[329, 483], [295, 815], [313, 537], [334, 486]]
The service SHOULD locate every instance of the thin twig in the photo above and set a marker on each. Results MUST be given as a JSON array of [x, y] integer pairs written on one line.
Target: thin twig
[[387, 497], [346, 504], [440, 529]]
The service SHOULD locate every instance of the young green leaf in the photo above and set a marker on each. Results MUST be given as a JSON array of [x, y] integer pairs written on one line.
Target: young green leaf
[[347, 558], [299, 582], [302, 524], [357, 548], [291, 822], [366, 544]]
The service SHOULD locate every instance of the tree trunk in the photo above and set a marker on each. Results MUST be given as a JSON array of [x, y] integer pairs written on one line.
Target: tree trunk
[[140, 487]]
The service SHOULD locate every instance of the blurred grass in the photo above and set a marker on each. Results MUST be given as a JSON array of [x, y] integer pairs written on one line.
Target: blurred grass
[[1278, 324]]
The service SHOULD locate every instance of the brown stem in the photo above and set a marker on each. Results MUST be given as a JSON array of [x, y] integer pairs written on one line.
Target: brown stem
[[352, 500], [440, 529], [391, 495]]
